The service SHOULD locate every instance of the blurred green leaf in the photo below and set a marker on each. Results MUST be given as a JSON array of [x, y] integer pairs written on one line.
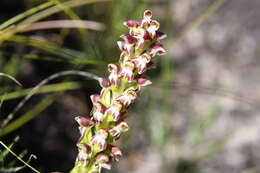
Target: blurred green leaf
[[63, 86]]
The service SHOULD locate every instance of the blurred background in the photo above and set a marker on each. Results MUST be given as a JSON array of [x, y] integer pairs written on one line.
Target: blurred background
[[201, 115]]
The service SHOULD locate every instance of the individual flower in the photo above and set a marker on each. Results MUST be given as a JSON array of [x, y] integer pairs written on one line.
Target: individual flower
[[152, 28], [141, 62], [118, 129], [98, 113], [102, 161], [147, 17], [127, 70], [114, 70], [83, 158], [114, 110], [100, 139], [127, 97], [126, 47]]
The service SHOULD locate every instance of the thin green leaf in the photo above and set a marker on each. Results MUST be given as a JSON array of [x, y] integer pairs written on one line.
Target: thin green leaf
[[12, 78], [50, 47], [64, 86]]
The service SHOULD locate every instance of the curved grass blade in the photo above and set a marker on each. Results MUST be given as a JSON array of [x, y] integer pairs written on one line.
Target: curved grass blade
[[43, 82], [12, 78], [53, 24]]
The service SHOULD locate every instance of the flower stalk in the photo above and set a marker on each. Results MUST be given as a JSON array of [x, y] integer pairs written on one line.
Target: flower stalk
[[106, 122]]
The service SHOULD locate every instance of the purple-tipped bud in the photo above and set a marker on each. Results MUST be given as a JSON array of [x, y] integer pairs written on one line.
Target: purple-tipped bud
[[157, 49], [131, 23], [127, 97], [116, 153], [114, 71], [100, 139], [84, 121], [143, 81], [114, 110], [127, 70]]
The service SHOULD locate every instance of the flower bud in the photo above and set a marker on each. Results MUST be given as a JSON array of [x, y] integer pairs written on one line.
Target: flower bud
[[143, 81], [84, 121]]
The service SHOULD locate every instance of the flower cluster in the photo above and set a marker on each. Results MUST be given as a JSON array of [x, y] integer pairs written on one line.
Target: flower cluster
[[106, 122]]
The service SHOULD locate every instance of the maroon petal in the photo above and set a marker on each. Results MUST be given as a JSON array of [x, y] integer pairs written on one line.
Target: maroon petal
[[160, 35], [128, 38], [157, 49], [131, 23]]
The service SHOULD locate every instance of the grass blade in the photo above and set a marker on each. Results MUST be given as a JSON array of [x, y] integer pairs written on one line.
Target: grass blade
[[64, 86], [12, 78]]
